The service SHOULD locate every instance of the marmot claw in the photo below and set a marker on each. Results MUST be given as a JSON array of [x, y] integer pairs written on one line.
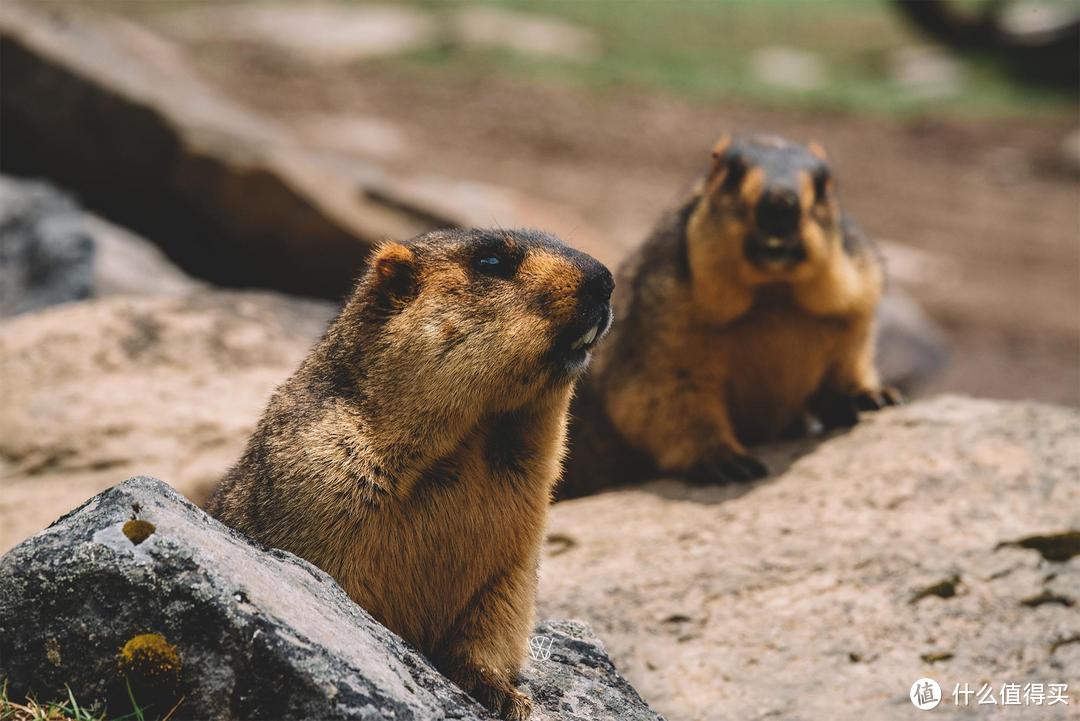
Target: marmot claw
[[875, 400], [729, 468], [842, 411]]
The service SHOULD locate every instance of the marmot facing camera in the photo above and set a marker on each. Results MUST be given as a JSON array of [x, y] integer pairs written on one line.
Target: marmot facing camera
[[413, 454], [748, 305]]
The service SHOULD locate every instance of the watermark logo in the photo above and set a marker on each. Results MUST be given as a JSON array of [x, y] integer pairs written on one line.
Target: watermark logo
[[539, 648], [925, 694]]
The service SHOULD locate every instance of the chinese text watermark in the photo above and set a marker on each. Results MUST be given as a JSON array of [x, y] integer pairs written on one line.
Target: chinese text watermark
[[926, 694]]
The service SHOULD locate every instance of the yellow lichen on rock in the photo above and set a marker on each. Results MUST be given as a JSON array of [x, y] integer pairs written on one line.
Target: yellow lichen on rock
[[138, 531], [150, 658], [52, 651]]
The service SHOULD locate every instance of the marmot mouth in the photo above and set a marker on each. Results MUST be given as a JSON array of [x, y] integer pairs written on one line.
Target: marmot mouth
[[587, 340], [573, 346], [772, 252]]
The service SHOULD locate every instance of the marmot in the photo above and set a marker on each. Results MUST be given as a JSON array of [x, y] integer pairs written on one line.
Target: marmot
[[413, 454], [751, 303]]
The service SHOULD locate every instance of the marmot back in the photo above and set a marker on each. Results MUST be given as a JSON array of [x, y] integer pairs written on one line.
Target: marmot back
[[413, 454], [748, 306]]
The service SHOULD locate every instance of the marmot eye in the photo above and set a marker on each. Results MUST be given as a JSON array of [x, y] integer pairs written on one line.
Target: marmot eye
[[496, 261], [736, 171], [821, 184]]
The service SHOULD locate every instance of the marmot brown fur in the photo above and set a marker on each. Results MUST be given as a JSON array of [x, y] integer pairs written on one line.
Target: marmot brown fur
[[413, 454], [748, 305]]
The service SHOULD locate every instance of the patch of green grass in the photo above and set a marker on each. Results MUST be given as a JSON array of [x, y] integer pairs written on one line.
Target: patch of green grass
[[703, 48], [32, 710], [67, 710]]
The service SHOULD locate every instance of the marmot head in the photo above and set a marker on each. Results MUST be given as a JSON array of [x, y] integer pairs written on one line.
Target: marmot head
[[773, 204], [481, 316]]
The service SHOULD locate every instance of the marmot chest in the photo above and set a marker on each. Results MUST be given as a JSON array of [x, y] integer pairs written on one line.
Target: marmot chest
[[770, 362], [421, 560]]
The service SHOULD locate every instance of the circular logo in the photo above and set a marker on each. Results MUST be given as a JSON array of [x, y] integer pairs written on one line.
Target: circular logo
[[925, 694]]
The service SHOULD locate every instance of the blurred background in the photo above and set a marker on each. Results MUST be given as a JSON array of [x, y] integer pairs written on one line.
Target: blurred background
[[150, 149]]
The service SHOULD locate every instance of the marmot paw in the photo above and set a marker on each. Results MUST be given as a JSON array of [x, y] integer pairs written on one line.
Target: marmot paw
[[729, 467], [501, 698], [516, 707], [842, 411], [875, 400]]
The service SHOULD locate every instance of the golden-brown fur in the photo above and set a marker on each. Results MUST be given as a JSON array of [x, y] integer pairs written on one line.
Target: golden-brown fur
[[749, 305], [413, 454]]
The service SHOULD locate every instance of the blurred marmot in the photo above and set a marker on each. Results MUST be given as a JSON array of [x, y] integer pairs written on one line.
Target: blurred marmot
[[413, 454], [748, 305]]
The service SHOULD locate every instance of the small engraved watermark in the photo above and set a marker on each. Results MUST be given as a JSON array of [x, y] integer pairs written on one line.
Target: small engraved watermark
[[925, 694], [539, 648]]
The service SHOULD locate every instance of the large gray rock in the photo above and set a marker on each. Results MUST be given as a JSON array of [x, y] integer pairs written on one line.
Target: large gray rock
[[939, 539], [259, 633]]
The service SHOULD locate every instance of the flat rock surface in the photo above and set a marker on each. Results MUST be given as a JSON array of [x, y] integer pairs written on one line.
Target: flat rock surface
[[108, 388], [258, 633], [890, 553]]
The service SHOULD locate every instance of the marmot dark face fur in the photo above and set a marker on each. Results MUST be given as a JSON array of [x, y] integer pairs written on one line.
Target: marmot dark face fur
[[750, 304], [413, 454]]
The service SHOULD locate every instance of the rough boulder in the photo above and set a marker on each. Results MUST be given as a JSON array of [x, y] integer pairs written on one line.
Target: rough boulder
[[139, 587]]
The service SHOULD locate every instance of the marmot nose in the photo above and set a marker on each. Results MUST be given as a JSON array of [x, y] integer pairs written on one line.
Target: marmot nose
[[597, 284], [778, 213]]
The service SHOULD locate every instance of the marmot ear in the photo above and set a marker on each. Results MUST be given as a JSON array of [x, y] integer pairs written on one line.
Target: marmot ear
[[721, 146], [393, 274], [818, 150], [718, 159]]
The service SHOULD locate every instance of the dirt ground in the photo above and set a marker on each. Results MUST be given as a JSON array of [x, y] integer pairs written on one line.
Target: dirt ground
[[978, 222]]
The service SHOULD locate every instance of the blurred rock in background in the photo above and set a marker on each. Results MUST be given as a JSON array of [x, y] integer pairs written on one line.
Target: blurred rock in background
[[46, 255], [317, 33], [926, 72], [525, 33], [52, 251], [788, 68], [234, 198], [324, 33], [228, 195]]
